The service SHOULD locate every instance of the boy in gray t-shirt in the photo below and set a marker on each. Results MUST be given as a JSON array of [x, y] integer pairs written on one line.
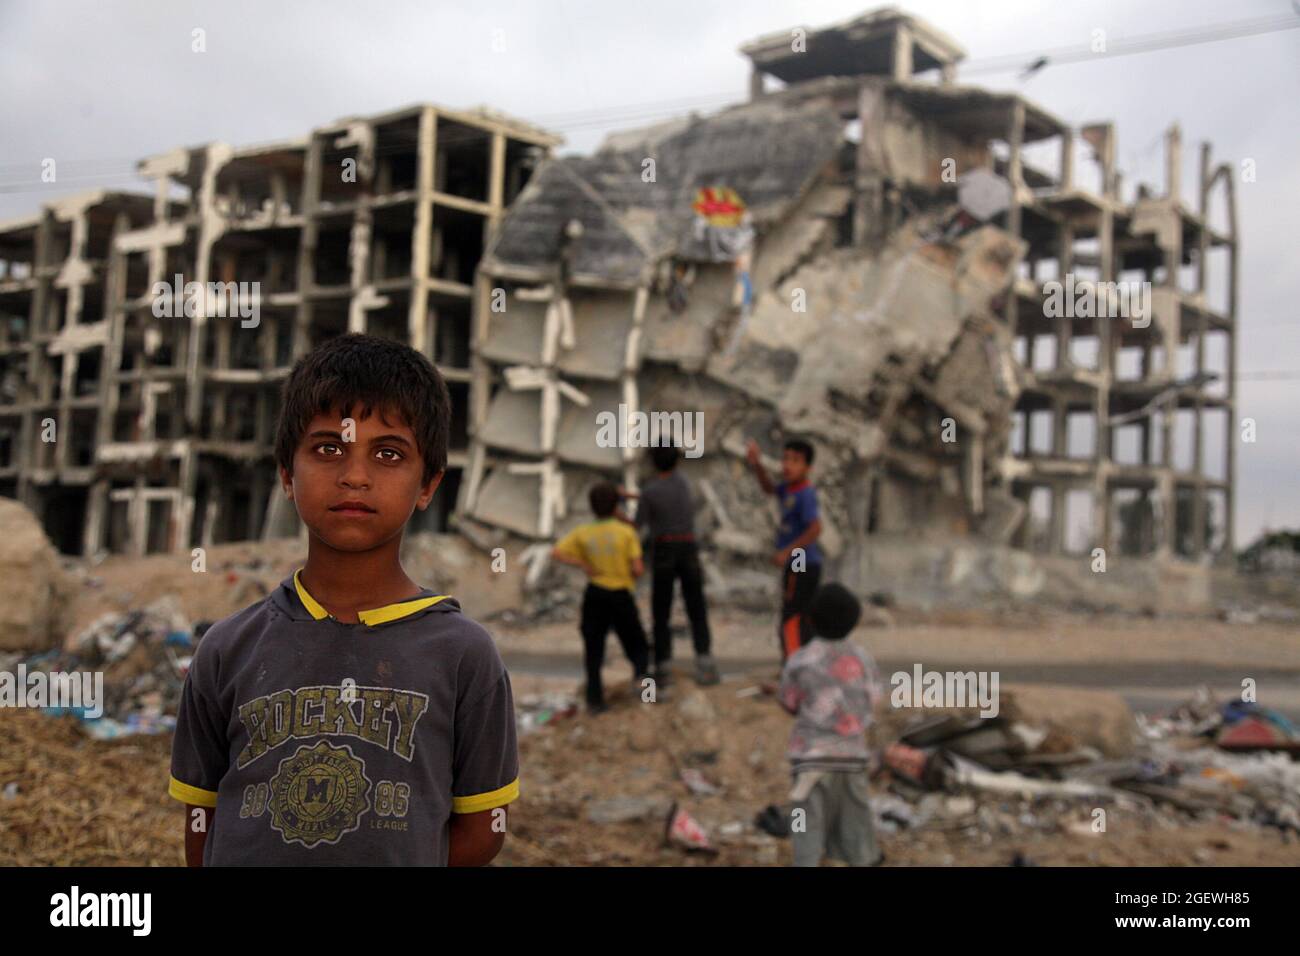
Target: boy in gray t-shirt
[[667, 512], [351, 716]]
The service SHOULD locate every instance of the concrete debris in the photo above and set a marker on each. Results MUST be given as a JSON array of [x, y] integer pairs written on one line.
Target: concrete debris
[[1163, 769]]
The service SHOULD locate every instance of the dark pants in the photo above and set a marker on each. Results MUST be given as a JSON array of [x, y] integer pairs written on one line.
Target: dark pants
[[797, 590], [674, 560], [601, 610]]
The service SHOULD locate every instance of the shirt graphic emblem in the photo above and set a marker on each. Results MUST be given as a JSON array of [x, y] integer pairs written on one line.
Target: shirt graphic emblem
[[319, 794]]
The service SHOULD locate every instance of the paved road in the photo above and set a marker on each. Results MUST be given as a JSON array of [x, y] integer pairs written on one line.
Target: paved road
[[1148, 687]]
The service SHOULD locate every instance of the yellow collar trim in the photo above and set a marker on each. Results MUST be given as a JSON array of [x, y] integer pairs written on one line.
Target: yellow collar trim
[[378, 615]]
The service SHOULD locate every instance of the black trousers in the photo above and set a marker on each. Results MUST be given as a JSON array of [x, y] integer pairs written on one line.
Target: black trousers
[[797, 590], [673, 561], [601, 610]]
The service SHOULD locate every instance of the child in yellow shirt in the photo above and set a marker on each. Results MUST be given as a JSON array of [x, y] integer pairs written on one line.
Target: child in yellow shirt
[[609, 551]]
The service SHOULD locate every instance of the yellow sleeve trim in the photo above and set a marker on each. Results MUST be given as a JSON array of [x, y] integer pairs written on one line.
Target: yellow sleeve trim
[[193, 795], [479, 802]]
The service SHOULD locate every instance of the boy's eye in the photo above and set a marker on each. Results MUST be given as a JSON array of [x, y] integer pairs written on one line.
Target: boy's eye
[[397, 455], [329, 448]]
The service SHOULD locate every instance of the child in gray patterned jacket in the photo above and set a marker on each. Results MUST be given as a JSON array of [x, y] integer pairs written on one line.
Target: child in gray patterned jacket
[[832, 688]]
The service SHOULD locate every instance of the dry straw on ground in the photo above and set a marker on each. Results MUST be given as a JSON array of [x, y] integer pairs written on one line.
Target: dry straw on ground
[[83, 802]]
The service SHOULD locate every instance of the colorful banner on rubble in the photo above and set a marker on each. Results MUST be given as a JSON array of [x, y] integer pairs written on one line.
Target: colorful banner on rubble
[[721, 230], [720, 207]]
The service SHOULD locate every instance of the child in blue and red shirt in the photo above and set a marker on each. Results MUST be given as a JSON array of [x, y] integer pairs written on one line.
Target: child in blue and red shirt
[[796, 551]]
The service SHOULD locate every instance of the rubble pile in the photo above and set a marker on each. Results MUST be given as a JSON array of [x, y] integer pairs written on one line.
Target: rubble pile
[[700, 777], [143, 655], [999, 775]]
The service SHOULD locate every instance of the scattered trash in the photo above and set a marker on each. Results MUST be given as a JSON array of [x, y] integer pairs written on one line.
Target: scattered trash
[[698, 784], [1237, 725], [908, 762], [535, 711], [773, 820], [892, 813], [695, 706], [627, 809], [684, 831], [1257, 729], [967, 773], [1004, 776], [144, 655], [106, 728]]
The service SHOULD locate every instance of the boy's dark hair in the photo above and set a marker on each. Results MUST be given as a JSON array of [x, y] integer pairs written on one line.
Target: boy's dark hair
[[664, 457], [835, 611], [603, 498], [370, 375], [802, 447]]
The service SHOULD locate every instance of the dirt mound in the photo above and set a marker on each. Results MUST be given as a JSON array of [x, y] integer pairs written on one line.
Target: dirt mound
[[35, 591]]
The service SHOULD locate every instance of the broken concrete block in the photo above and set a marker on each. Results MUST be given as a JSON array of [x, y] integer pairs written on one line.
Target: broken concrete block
[[1094, 718]]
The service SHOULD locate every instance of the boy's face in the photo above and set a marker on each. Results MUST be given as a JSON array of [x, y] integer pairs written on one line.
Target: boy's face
[[356, 489], [794, 467]]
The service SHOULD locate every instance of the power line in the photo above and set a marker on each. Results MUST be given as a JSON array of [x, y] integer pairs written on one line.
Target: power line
[[1272, 375], [1144, 43], [582, 120]]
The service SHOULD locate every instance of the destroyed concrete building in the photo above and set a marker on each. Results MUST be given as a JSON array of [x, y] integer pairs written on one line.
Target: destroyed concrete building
[[130, 427], [857, 299], [866, 254]]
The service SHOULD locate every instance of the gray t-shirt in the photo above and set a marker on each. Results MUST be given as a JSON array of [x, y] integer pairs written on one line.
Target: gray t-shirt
[[666, 506], [325, 743]]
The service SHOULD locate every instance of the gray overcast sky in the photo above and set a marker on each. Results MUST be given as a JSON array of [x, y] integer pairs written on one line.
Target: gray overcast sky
[[98, 85]]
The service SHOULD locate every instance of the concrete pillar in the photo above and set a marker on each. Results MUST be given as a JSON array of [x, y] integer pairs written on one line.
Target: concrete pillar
[[419, 333], [902, 58]]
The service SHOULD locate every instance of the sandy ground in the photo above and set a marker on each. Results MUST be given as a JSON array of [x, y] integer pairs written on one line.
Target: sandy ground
[[636, 750], [84, 802]]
